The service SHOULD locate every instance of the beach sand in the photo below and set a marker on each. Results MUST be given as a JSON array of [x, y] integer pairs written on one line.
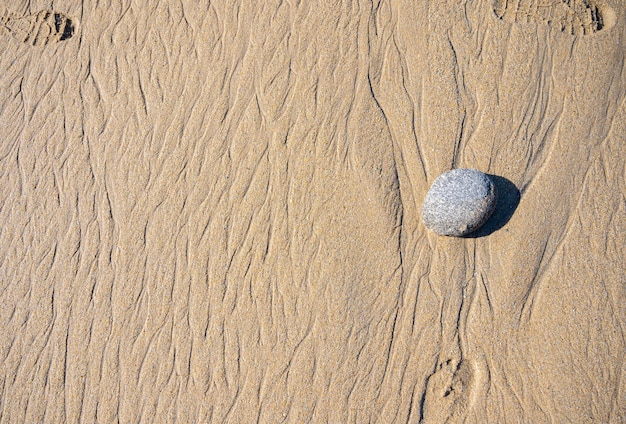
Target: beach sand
[[212, 212]]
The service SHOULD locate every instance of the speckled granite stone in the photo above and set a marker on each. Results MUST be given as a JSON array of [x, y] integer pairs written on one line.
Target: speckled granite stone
[[459, 202]]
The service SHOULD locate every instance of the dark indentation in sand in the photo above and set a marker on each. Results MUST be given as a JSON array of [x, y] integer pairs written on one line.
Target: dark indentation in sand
[[40, 28], [64, 26], [508, 200], [575, 17]]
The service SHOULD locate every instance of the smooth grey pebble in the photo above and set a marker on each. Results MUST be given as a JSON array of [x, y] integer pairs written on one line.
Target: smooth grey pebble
[[459, 202]]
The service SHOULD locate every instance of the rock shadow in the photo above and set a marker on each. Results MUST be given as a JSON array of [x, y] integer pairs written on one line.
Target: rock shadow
[[508, 199]]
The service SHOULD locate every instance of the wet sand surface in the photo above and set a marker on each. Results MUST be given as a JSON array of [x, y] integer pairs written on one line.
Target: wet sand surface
[[212, 212]]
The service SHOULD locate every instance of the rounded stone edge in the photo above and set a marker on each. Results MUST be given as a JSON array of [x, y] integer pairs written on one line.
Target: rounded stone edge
[[492, 200]]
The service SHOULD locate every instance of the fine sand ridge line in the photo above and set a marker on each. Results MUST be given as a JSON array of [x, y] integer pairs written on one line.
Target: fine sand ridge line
[[40, 28], [575, 17]]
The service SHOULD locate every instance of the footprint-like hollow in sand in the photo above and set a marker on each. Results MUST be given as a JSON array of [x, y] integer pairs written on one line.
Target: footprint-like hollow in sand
[[575, 17], [450, 392], [41, 28]]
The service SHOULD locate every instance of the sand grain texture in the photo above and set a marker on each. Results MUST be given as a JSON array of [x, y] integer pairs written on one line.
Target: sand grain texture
[[212, 213]]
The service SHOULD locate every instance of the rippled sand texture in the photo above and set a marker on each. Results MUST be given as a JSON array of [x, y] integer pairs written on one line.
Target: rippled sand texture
[[211, 213]]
